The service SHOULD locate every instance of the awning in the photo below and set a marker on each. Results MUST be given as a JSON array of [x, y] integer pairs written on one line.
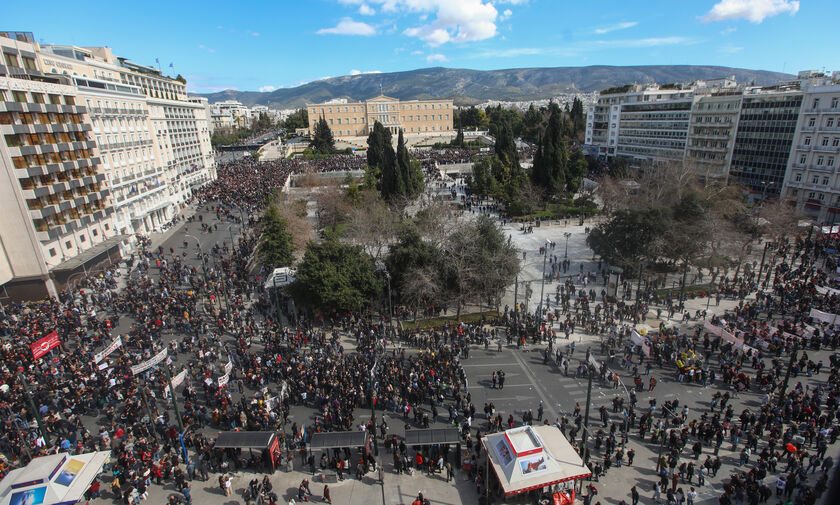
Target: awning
[[533, 457], [338, 440], [89, 255], [54, 479], [244, 439], [432, 436]]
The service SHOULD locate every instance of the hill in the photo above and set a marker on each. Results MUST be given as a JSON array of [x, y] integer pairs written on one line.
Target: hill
[[473, 86]]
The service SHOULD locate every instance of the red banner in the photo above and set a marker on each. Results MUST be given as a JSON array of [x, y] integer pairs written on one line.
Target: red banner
[[43, 346]]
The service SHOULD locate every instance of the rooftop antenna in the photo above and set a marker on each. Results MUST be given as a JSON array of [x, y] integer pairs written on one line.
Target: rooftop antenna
[[380, 87]]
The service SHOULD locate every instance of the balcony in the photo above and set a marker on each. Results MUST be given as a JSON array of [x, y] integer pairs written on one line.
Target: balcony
[[827, 149], [804, 147], [821, 168]]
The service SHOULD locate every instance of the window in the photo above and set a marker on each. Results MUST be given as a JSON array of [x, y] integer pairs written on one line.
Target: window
[[807, 141], [824, 141], [11, 60], [835, 141], [815, 180], [812, 122], [816, 103], [68, 245], [82, 238], [19, 96], [811, 195], [825, 181], [52, 252], [830, 162], [802, 159], [29, 64], [834, 102], [798, 178], [829, 123], [822, 196], [820, 161]]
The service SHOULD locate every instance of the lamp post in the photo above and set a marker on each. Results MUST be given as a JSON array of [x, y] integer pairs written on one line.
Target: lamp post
[[373, 407], [390, 309], [542, 285], [567, 235]]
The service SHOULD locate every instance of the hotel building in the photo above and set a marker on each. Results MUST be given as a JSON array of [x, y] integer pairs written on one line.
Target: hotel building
[[55, 211], [354, 119]]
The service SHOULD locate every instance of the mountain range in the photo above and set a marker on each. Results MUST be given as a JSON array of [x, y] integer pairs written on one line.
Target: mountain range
[[467, 87]]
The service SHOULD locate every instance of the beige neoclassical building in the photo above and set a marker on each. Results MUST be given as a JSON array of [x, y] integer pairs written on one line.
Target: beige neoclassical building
[[354, 119]]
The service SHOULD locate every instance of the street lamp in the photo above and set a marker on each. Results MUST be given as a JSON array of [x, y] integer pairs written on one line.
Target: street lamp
[[373, 407], [542, 286], [390, 309], [567, 235]]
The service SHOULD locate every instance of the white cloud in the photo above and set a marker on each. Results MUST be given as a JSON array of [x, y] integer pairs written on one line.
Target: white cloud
[[255, 34], [366, 10], [727, 31], [436, 58], [754, 11], [359, 72], [512, 2], [348, 27], [730, 49], [505, 15], [265, 89], [443, 21], [617, 26], [205, 48], [647, 42], [416, 53]]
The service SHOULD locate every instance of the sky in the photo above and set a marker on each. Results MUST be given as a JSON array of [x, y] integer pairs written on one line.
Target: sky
[[251, 46]]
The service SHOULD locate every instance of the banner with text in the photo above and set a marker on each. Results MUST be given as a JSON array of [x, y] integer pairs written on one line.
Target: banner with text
[[43, 345], [108, 350], [142, 367]]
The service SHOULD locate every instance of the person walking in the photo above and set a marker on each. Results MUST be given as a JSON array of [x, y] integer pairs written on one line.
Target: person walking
[[634, 495], [328, 499]]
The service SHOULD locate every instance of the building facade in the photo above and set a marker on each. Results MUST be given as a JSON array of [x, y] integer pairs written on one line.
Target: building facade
[[55, 209], [764, 137], [812, 183], [354, 119], [112, 149], [711, 134]]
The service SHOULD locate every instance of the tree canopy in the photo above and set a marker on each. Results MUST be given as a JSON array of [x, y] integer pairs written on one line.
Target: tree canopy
[[275, 246], [550, 169], [334, 277]]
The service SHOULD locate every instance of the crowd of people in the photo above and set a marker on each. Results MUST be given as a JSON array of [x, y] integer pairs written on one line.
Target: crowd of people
[[206, 310]]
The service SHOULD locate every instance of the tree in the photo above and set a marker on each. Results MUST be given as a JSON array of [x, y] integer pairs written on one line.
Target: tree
[[577, 169], [459, 138], [551, 159], [297, 119], [371, 224], [334, 277], [476, 262], [471, 118], [410, 173], [322, 140], [409, 252], [294, 213], [505, 147], [275, 246], [531, 124]]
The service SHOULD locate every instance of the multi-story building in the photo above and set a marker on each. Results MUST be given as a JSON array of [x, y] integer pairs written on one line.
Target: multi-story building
[[812, 182], [640, 121], [354, 119], [124, 135], [711, 134], [766, 124], [55, 214]]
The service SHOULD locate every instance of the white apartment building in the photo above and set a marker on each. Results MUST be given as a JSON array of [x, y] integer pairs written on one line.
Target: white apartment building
[[640, 121], [812, 182]]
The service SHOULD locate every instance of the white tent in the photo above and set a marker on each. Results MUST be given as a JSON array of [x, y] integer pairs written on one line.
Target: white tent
[[532, 457], [50, 480]]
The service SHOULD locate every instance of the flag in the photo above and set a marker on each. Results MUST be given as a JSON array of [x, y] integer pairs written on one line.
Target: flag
[[171, 65], [157, 60]]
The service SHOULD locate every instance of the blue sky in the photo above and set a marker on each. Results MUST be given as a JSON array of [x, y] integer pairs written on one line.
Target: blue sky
[[265, 45]]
